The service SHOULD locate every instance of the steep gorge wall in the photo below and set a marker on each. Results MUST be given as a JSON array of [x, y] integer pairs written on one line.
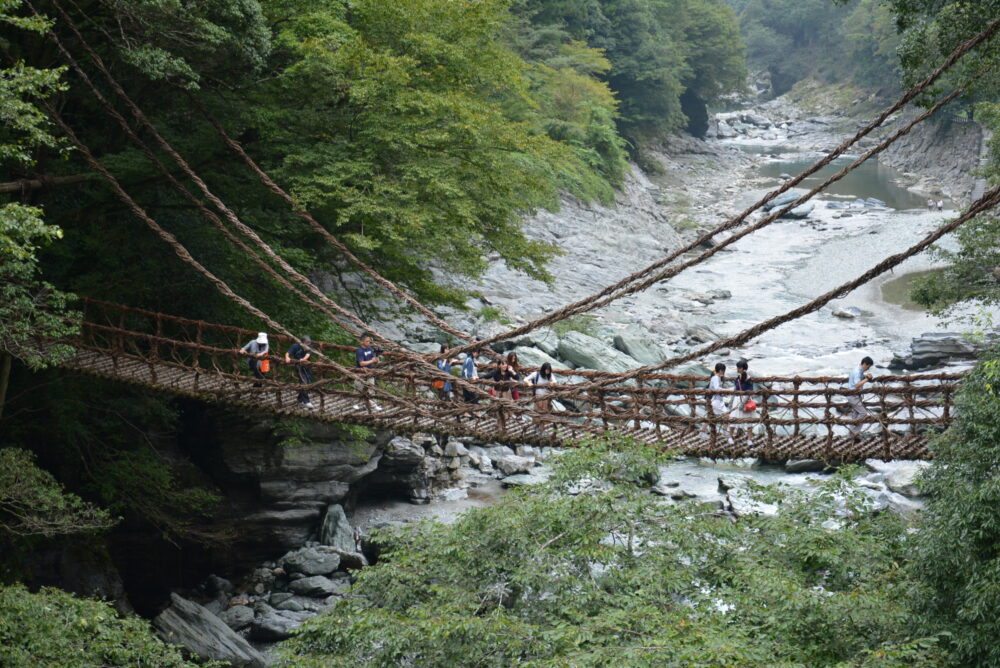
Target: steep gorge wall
[[944, 151]]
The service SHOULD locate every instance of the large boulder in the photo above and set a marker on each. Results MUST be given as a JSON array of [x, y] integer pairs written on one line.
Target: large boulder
[[511, 464], [935, 348], [535, 357], [543, 338], [273, 625], [590, 353], [902, 478], [311, 561], [318, 586], [637, 344], [237, 617], [336, 530], [204, 635]]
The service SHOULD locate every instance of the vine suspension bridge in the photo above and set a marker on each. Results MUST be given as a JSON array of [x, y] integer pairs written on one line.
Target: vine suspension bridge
[[797, 418]]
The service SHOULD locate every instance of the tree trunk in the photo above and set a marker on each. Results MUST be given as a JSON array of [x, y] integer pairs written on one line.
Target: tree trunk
[[22, 185], [5, 360]]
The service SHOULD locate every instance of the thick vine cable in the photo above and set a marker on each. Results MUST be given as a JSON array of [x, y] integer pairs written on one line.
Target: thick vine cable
[[186, 256], [988, 201], [230, 215], [590, 302], [968, 45]]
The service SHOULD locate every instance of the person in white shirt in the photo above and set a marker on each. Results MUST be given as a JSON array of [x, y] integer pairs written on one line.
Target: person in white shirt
[[718, 404], [859, 376]]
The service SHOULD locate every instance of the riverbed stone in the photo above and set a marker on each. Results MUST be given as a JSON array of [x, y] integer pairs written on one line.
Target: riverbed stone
[[847, 312], [274, 625], [533, 357], [903, 478], [511, 464], [317, 586], [804, 465], [543, 338], [455, 449], [637, 344], [237, 617], [591, 353], [204, 635], [311, 561], [336, 530]]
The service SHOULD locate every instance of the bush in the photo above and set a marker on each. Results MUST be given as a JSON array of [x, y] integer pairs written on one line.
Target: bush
[[53, 628], [591, 570]]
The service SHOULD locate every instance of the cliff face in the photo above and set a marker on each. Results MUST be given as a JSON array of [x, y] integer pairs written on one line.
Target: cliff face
[[942, 153]]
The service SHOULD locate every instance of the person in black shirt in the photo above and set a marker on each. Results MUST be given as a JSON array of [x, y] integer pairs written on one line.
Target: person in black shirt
[[301, 352]]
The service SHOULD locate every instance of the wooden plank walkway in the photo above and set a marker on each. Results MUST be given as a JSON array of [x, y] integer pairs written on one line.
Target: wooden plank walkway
[[408, 416]]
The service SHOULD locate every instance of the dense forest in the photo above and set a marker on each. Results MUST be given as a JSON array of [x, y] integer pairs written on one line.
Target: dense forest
[[421, 134]]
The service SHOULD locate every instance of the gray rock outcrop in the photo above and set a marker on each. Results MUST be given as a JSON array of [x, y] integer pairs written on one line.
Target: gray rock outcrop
[[636, 343], [311, 561], [590, 353], [336, 530], [204, 635]]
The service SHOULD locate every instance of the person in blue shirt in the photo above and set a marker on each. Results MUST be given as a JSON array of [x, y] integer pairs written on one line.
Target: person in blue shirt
[[300, 353], [856, 381], [470, 372]]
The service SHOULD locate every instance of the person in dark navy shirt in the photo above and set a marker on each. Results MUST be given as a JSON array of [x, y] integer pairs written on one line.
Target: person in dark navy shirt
[[366, 357], [301, 352]]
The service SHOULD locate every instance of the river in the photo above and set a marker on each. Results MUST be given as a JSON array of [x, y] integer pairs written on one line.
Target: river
[[792, 261]]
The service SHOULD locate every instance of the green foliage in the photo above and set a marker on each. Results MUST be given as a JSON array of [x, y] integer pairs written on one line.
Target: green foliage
[[795, 39], [591, 570], [141, 481], [659, 51], [970, 275], [54, 628], [33, 503], [584, 323], [492, 314], [33, 313], [957, 560]]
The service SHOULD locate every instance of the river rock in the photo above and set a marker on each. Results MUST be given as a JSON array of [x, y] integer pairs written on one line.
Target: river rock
[[404, 467], [455, 449], [537, 476], [511, 464], [902, 477], [237, 617], [590, 353], [804, 465], [701, 334], [637, 344], [274, 625], [543, 338], [336, 530], [528, 357], [848, 312], [783, 199], [311, 561], [801, 211], [318, 586], [934, 348], [204, 635]]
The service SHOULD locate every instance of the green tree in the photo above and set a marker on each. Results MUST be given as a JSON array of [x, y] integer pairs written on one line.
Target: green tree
[[32, 312], [32, 503], [957, 557]]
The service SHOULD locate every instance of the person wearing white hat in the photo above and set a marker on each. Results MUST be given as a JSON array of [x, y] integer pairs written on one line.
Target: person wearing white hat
[[257, 349]]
